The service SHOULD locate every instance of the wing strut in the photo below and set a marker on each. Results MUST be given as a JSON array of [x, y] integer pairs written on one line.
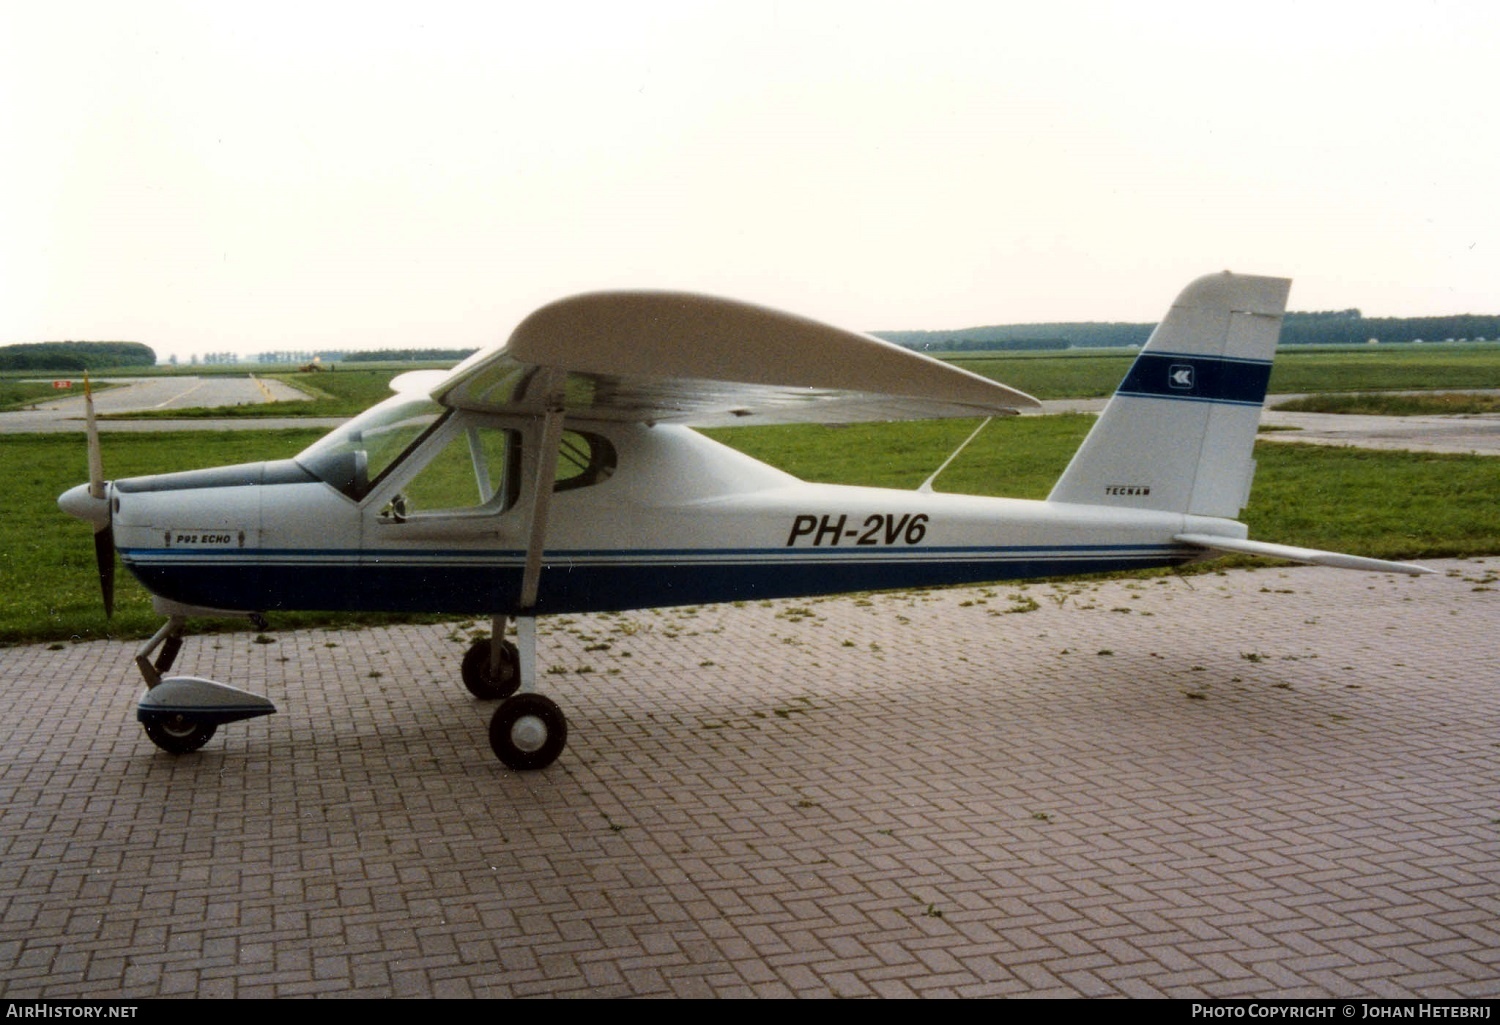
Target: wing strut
[[926, 486], [541, 501], [548, 445]]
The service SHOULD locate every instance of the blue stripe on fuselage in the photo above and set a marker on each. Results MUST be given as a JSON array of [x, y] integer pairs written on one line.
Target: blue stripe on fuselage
[[1166, 375], [483, 583]]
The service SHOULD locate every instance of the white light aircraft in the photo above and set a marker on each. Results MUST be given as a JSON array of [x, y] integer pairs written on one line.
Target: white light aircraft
[[560, 473]]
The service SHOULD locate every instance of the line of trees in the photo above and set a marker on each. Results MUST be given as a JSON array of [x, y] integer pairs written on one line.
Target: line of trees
[[75, 356], [1350, 327], [1022, 337], [406, 355], [301, 357], [1329, 327]]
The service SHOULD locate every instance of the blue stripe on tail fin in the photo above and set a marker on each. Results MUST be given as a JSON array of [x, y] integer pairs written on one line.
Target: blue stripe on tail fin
[[1171, 375]]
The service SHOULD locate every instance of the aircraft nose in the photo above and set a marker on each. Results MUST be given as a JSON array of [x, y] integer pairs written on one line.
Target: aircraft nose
[[77, 502]]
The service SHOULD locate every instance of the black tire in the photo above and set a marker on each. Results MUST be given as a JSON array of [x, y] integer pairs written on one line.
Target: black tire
[[528, 732], [177, 733], [476, 671]]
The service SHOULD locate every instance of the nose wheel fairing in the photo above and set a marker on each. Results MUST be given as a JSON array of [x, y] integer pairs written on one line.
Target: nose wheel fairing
[[181, 713], [200, 700]]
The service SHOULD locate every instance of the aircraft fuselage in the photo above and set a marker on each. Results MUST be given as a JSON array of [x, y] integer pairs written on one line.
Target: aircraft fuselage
[[677, 519]]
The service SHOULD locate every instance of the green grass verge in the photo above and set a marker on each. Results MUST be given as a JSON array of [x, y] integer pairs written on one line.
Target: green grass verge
[[1386, 368], [1074, 376], [1019, 457], [20, 394], [1385, 504], [1395, 404]]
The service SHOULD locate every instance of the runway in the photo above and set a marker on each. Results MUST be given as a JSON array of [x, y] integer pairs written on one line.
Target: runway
[[153, 394]]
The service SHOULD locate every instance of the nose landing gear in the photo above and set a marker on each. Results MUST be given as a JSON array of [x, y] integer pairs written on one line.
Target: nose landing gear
[[182, 713]]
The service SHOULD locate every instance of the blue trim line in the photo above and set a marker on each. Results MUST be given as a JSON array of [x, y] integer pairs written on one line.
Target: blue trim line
[[468, 555], [474, 583], [1167, 375]]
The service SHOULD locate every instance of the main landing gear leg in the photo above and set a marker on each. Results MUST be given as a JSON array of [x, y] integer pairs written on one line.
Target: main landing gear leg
[[528, 730], [181, 713]]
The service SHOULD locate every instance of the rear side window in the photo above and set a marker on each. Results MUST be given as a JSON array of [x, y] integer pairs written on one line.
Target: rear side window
[[583, 460]]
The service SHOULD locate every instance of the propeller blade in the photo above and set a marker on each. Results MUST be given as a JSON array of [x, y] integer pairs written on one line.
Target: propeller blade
[[104, 554], [104, 537], [96, 458]]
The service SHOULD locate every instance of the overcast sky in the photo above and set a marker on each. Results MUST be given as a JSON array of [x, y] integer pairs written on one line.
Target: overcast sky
[[211, 176]]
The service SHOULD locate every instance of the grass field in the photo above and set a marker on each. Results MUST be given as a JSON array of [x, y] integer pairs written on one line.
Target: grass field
[[1393, 505], [1372, 368], [342, 393], [1385, 504], [15, 394]]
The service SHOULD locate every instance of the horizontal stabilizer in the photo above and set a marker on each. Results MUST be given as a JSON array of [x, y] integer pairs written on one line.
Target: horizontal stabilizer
[[1294, 554]]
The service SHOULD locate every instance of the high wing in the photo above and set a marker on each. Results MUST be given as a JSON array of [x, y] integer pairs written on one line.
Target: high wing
[[676, 357]]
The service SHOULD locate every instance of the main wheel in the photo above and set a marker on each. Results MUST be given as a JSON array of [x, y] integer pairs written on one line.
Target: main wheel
[[179, 734], [528, 732], [476, 670]]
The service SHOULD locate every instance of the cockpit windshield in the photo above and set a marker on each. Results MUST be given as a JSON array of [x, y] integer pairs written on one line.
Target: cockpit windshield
[[353, 457]]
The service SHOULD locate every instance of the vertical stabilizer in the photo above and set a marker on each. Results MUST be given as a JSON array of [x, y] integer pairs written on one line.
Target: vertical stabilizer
[[1179, 432]]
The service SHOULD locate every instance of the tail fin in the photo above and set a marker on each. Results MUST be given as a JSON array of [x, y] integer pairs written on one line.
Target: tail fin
[[1179, 432]]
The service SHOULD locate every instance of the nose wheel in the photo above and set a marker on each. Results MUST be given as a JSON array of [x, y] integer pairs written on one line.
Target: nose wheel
[[528, 731]]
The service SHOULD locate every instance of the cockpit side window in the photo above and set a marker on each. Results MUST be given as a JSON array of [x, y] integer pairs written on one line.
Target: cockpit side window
[[475, 470], [479, 467]]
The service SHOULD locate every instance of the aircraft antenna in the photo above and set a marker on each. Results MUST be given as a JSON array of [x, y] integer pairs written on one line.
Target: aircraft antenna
[[926, 488]]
